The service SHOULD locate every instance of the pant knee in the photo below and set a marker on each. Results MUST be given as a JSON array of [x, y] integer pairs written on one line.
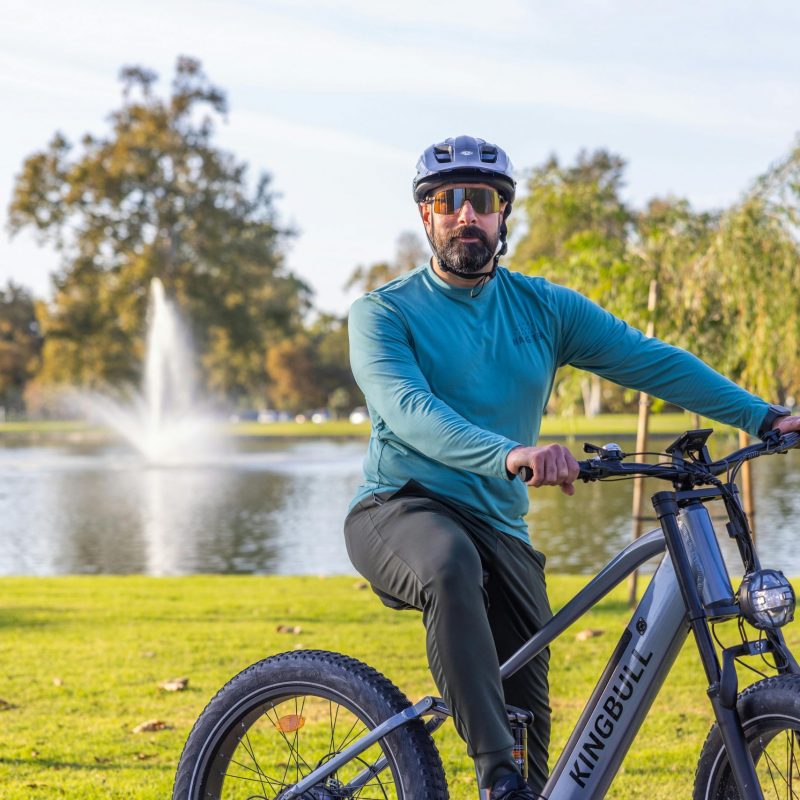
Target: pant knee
[[459, 579]]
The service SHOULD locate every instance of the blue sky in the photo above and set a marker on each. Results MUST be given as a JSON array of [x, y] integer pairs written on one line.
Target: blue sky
[[337, 99]]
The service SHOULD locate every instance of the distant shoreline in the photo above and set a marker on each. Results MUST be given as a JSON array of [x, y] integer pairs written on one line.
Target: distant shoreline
[[32, 432]]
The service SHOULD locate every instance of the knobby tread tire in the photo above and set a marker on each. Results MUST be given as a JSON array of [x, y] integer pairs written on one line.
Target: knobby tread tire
[[417, 760], [777, 696]]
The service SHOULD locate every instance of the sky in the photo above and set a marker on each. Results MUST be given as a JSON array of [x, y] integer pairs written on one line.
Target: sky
[[336, 100]]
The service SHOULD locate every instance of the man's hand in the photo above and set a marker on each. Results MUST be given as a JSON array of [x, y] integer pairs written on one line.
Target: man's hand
[[552, 465], [783, 424]]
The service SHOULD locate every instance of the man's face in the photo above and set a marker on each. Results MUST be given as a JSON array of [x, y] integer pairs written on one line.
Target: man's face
[[465, 240]]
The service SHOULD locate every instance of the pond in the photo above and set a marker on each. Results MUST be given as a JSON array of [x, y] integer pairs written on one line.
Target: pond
[[269, 507]]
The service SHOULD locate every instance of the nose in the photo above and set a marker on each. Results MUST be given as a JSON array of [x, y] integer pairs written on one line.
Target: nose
[[466, 214]]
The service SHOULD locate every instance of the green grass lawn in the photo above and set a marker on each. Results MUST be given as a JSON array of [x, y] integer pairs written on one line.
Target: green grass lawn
[[552, 426], [82, 657]]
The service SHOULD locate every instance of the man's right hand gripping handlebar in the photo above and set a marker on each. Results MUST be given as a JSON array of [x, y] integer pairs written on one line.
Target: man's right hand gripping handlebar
[[550, 465]]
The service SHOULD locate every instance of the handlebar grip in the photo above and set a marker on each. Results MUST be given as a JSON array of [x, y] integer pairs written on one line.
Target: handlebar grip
[[791, 439], [588, 471]]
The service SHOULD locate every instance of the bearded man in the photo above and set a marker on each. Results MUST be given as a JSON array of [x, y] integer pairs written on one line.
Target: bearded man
[[457, 360]]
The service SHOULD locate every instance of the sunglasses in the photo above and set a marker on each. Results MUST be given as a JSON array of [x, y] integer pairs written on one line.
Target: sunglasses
[[449, 201]]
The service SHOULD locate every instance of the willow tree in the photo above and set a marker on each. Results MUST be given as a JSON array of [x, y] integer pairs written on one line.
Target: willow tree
[[155, 197], [751, 298], [670, 247]]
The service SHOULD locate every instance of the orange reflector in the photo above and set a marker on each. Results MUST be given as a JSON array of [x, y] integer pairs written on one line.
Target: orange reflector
[[290, 723]]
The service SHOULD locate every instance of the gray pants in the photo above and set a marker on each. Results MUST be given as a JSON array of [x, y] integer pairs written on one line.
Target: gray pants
[[434, 556]]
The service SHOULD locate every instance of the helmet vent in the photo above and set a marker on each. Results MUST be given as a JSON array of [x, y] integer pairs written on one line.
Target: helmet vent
[[443, 153], [489, 153]]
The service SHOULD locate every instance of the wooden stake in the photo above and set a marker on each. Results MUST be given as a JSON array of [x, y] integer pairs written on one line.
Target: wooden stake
[[748, 498], [642, 431]]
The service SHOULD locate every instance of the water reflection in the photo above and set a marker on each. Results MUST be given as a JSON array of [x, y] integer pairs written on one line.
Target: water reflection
[[278, 508]]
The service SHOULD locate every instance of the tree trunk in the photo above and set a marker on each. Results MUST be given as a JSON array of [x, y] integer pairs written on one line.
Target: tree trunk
[[642, 431], [592, 391]]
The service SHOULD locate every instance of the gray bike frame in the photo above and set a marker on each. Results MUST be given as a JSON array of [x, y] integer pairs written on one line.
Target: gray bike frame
[[630, 682], [632, 678]]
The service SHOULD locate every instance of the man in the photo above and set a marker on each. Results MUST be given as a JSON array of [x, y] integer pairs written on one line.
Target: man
[[456, 360]]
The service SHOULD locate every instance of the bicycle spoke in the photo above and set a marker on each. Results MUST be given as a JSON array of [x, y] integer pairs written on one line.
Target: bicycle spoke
[[350, 736], [334, 719], [380, 786], [276, 724], [261, 774], [249, 748], [770, 761]]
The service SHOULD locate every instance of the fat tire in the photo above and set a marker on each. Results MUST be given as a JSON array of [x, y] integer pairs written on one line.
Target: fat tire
[[770, 704], [414, 759]]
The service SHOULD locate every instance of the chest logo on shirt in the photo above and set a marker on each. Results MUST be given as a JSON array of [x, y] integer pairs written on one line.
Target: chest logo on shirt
[[526, 333]]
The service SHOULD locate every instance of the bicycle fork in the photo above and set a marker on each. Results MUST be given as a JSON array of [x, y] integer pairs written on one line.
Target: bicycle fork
[[722, 688]]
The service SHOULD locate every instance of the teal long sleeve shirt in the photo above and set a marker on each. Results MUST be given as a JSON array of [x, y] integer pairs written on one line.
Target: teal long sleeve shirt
[[453, 382]]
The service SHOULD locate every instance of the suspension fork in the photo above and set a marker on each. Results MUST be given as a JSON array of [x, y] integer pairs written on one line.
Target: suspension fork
[[723, 703]]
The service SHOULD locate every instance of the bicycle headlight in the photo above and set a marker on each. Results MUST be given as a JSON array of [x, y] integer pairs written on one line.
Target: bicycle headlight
[[766, 599]]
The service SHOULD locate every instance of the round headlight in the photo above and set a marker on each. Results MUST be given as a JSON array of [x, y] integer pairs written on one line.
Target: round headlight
[[766, 599]]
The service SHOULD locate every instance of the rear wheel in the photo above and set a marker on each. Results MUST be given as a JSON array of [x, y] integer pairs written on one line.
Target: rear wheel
[[281, 718], [770, 714]]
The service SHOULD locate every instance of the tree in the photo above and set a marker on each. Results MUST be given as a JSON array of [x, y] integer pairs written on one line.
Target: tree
[[154, 197], [753, 270], [312, 369], [20, 345], [575, 230], [670, 246], [725, 280], [410, 253]]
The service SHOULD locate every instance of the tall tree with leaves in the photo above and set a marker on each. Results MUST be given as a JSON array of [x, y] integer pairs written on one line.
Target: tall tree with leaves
[[575, 229], [753, 271], [312, 369], [20, 345], [670, 246], [155, 197]]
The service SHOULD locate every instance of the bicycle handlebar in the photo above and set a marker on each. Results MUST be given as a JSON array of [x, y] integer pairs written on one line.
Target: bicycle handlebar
[[595, 469]]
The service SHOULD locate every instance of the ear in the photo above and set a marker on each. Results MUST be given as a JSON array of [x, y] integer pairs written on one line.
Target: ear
[[425, 213]]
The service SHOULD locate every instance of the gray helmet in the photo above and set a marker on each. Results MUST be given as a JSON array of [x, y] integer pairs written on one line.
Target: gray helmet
[[464, 158]]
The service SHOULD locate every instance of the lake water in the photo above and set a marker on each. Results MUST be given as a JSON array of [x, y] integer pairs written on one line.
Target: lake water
[[271, 507]]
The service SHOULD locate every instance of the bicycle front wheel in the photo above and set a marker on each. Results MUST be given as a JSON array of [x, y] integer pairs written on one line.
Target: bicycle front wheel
[[281, 718], [770, 714]]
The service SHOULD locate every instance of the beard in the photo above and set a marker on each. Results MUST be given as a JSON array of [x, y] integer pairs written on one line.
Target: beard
[[464, 258]]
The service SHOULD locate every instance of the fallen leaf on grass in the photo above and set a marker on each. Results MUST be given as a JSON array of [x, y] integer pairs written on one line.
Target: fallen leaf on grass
[[5, 705], [58, 681], [589, 633], [151, 726], [295, 629], [144, 756], [174, 684], [101, 759]]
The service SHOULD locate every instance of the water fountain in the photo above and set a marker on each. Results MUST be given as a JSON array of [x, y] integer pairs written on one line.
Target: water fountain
[[164, 420]]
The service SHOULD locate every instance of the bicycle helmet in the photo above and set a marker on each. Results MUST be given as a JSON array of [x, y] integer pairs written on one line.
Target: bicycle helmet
[[464, 158]]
